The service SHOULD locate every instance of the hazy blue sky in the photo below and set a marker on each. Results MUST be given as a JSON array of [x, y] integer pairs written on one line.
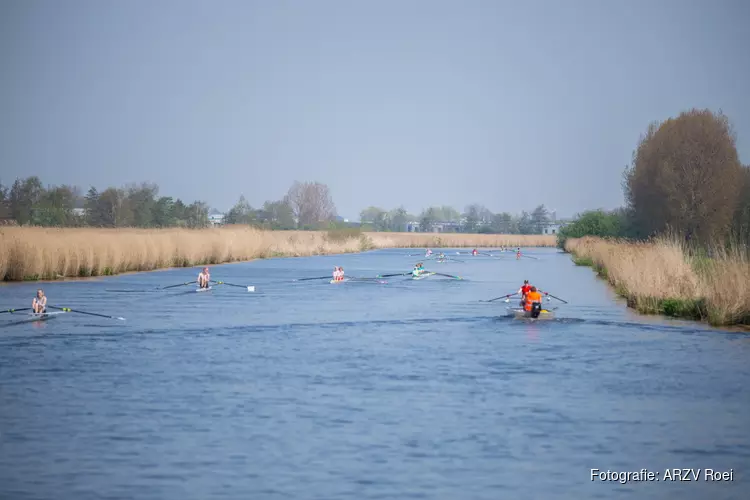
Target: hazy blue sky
[[509, 104]]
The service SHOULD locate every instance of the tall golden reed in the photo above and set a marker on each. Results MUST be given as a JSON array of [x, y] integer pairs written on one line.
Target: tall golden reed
[[45, 253], [654, 276]]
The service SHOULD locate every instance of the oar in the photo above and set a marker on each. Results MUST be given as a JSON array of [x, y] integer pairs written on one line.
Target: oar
[[15, 310], [558, 298], [502, 297], [392, 275], [450, 276], [318, 278], [67, 309], [529, 257], [175, 286], [249, 288]]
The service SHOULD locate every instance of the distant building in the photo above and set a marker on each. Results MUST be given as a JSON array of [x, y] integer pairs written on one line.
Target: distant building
[[437, 227], [554, 227], [216, 219]]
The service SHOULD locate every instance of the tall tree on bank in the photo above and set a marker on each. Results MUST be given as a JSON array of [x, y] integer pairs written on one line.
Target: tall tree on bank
[[311, 203], [141, 200], [163, 212], [4, 205], [24, 195], [539, 219], [741, 226], [685, 177], [399, 219], [55, 208], [277, 215], [241, 213]]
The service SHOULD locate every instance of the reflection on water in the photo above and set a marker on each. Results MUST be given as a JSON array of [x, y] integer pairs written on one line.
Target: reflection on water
[[408, 389]]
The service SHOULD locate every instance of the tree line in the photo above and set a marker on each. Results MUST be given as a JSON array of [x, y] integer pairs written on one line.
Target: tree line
[[476, 218], [306, 205], [28, 202], [685, 179]]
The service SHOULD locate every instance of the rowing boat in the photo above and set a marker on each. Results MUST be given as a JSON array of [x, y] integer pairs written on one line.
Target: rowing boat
[[358, 280], [422, 276], [519, 313], [203, 289], [34, 317]]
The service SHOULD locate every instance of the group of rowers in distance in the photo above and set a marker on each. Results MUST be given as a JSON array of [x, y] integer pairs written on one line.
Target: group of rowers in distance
[[474, 252]]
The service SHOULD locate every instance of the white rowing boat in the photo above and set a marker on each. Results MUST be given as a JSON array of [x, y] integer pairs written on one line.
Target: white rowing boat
[[422, 276], [358, 280], [203, 289], [34, 317]]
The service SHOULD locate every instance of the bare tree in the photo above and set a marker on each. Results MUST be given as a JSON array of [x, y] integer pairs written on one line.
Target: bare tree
[[311, 203], [686, 177]]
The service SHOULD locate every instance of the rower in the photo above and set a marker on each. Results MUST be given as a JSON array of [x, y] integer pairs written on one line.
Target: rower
[[341, 274], [525, 288], [415, 271], [335, 273], [474, 252], [518, 253], [204, 278], [39, 304], [533, 302], [428, 253]]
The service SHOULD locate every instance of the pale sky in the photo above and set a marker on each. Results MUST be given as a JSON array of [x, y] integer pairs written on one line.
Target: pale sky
[[508, 104]]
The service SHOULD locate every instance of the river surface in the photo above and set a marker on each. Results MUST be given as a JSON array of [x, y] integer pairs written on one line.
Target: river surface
[[410, 389]]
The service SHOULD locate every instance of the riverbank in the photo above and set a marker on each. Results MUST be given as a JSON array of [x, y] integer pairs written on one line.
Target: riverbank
[[663, 278], [32, 253]]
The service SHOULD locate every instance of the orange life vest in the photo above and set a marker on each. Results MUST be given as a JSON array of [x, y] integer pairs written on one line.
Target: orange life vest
[[532, 297]]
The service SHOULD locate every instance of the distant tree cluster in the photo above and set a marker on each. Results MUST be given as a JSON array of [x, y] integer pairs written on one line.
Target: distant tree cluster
[[475, 219], [28, 202], [685, 179], [307, 205]]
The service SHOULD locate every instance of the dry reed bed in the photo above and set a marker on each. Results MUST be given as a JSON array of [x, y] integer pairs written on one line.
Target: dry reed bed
[[662, 277], [30, 253]]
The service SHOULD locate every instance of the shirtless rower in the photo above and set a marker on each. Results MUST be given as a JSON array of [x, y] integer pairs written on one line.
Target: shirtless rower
[[204, 278]]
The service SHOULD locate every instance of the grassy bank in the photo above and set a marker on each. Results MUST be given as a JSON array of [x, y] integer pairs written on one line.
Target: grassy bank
[[663, 278], [30, 253]]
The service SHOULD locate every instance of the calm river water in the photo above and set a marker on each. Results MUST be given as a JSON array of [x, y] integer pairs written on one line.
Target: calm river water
[[410, 389]]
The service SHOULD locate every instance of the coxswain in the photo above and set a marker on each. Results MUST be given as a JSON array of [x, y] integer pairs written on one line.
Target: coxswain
[[204, 278], [525, 288], [39, 304], [533, 304]]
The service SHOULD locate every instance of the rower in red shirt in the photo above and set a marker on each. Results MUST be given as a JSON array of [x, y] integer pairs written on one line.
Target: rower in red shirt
[[525, 288]]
